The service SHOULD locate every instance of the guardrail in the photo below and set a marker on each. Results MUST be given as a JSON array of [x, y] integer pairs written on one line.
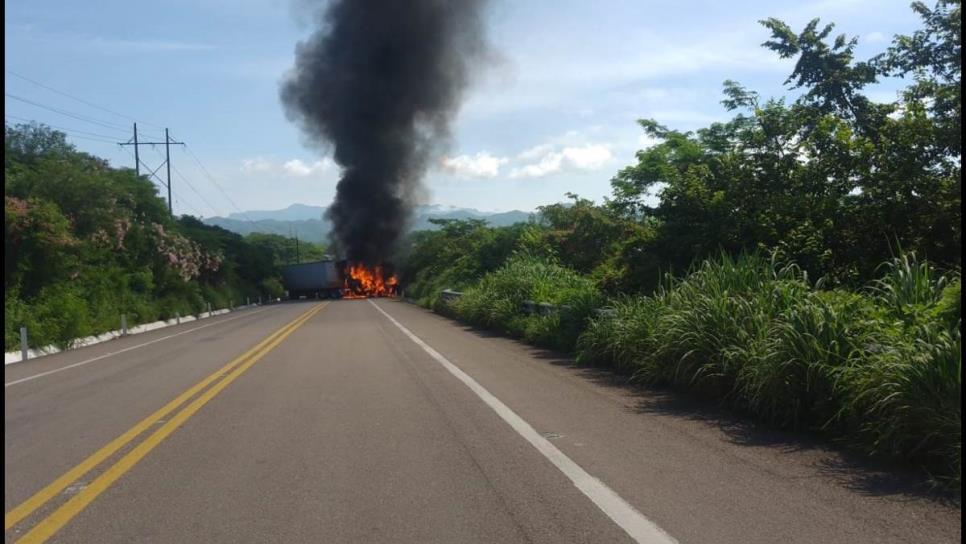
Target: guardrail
[[529, 306]]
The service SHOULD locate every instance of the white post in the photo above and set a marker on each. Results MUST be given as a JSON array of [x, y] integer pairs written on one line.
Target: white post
[[177, 318], [123, 325], [209, 308], [23, 343], [248, 301]]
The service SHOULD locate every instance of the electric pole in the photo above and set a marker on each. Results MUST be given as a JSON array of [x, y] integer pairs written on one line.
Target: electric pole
[[137, 157], [167, 159], [167, 162]]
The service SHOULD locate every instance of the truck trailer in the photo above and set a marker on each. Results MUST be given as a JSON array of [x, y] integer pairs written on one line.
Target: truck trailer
[[319, 279]]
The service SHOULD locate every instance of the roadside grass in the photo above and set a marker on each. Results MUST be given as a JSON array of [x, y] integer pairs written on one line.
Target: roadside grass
[[498, 301], [877, 369], [62, 313]]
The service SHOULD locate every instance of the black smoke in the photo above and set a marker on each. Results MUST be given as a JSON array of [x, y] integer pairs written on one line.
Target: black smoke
[[380, 81]]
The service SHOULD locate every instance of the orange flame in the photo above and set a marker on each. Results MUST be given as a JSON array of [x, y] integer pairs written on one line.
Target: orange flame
[[364, 282]]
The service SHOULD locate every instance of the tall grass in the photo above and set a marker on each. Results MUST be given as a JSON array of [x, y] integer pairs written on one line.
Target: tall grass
[[879, 369], [497, 301]]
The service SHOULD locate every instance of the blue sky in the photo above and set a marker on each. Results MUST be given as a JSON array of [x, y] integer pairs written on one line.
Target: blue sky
[[554, 111]]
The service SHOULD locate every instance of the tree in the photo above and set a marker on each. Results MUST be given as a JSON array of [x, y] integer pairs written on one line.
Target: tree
[[832, 180]]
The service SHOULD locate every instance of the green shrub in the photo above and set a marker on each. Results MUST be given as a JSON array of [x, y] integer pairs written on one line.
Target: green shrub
[[719, 317], [909, 288], [497, 301], [623, 339], [58, 316], [905, 401], [791, 380]]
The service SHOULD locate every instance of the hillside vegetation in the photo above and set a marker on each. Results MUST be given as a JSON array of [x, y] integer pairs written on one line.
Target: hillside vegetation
[[799, 262], [84, 243]]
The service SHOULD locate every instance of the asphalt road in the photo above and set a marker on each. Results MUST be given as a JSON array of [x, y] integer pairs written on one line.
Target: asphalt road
[[376, 421]]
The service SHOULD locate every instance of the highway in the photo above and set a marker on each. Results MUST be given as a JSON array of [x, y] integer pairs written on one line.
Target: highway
[[378, 421]]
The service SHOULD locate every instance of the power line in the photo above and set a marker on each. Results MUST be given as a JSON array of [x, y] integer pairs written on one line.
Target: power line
[[81, 137], [215, 183], [110, 139], [192, 187], [81, 100], [184, 202], [77, 116]]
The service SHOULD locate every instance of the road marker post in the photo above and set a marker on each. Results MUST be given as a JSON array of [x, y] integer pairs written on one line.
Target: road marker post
[[23, 344], [177, 317], [123, 324], [209, 308]]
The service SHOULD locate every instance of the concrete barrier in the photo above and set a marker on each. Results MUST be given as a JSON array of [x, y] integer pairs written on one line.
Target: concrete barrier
[[11, 357]]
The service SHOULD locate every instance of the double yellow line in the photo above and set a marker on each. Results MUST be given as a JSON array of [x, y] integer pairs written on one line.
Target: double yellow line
[[57, 519]]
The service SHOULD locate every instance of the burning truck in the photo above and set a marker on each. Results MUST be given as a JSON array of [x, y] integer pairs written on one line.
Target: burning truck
[[329, 278]]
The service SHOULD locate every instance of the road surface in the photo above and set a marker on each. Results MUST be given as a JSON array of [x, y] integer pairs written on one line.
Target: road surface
[[377, 421]]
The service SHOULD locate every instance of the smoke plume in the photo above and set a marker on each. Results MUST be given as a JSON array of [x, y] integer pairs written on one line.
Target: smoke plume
[[380, 81]]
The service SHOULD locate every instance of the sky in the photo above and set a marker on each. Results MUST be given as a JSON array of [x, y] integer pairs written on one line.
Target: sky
[[552, 111]]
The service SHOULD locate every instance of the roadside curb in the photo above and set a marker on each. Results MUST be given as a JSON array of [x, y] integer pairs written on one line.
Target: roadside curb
[[13, 357]]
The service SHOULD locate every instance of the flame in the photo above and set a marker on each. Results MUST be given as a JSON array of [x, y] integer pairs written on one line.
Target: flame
[[364, 282]]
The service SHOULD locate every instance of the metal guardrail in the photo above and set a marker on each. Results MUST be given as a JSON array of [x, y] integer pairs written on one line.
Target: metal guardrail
[[529, 306]]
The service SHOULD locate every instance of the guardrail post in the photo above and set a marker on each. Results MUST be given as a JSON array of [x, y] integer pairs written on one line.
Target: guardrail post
[[209, 308], [23, 344], [248, 301], [123, 324], [177, 318]]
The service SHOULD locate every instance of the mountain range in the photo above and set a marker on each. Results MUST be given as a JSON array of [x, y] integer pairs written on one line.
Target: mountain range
[[309, 222]]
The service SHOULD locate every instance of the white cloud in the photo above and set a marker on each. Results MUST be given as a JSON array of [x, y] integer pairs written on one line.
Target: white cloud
[[481, 165], [535, 152], [256, 164], [585, 158], [296, 167]]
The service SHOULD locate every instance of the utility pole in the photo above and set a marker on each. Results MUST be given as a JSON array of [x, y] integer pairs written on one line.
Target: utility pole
[[137, 157], [167, 159], [298, 258]]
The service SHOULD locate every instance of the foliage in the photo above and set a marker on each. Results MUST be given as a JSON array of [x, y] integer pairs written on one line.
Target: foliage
[[498, 301], [286, 250], [84, 243], [456, 255], [831, 180], [761, 338]]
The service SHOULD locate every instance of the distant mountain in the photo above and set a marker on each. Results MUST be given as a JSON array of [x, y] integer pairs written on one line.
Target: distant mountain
[[309, 222], [312, 230], [295, 212]]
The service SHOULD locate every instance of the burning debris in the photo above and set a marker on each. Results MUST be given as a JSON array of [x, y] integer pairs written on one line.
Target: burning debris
[[364, 282], [380, 81]]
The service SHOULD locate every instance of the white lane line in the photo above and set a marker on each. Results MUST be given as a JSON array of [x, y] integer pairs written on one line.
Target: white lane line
[[634, 523], [120, 351]]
